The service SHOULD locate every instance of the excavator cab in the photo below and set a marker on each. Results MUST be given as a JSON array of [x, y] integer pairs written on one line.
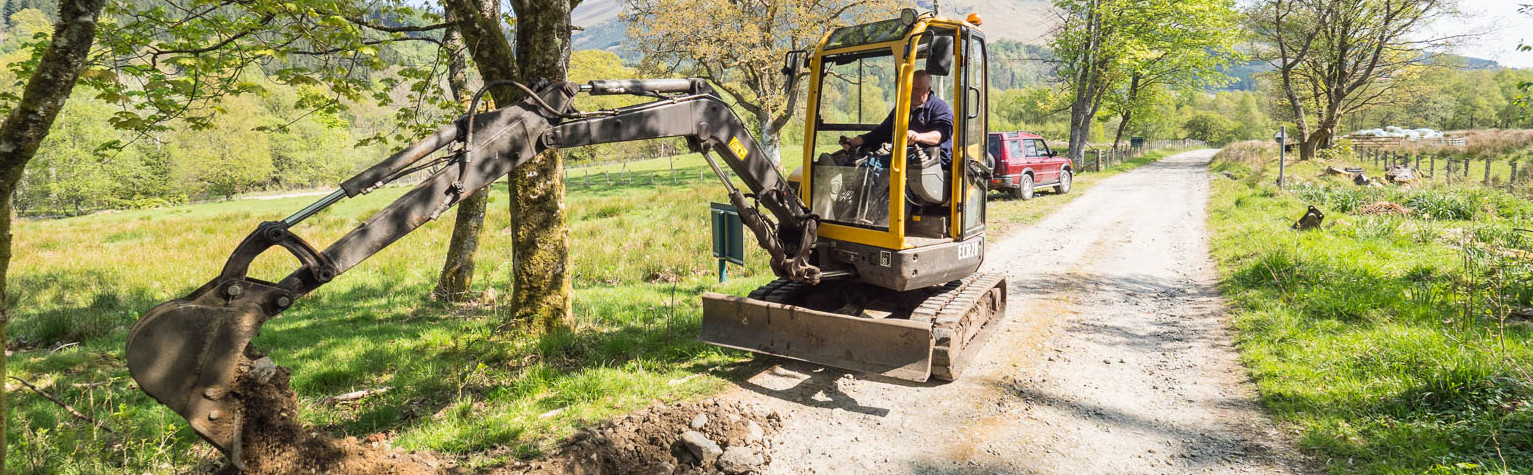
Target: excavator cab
[[900, 233]]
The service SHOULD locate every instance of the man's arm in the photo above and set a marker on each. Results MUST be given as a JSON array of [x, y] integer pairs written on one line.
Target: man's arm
[[880, 134]]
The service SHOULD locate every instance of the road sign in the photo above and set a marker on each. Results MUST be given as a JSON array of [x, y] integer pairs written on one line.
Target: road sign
[[728, 236]]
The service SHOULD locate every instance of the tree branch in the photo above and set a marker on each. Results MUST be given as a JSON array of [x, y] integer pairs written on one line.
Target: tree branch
[[66, 407]]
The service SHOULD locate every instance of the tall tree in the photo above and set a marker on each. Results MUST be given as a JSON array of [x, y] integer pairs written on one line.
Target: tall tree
[[1335, 57], [1183, 55], [540, 233], [1086, 62], [1133, 46], [458, 269], [739, 46], [28, 122], [540, 279]]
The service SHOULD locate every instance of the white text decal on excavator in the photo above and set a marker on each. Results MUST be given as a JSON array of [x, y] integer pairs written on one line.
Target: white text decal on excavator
[[970, 250]]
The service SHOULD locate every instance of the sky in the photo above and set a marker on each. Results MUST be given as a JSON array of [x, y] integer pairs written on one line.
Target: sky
[[1501, 28]]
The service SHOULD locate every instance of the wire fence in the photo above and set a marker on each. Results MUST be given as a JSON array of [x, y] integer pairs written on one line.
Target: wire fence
[[584, 177], [1096, 158], [1446, 167], [1100, 157]]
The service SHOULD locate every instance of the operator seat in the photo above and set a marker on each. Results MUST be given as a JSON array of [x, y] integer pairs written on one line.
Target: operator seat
[[925, 179]]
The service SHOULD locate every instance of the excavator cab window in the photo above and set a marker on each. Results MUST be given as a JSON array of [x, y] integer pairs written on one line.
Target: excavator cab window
[[856, 94], [973, 127]]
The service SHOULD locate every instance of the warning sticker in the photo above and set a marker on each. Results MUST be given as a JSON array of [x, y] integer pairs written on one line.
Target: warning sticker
[[737, 147]]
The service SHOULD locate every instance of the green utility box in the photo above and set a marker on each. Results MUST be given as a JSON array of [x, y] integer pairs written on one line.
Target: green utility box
[[728, 236]]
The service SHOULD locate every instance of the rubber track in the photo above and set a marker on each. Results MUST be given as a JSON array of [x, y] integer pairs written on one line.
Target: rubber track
[[776, 291], [951, 331]]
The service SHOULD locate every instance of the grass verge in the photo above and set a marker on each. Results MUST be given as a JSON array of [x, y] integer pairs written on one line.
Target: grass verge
[[1388, 343]]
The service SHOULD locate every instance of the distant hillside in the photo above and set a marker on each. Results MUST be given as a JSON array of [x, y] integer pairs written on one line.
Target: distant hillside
[[1023, 21]]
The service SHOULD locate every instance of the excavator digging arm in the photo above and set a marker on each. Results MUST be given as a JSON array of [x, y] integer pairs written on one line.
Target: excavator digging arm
[[188, 353]]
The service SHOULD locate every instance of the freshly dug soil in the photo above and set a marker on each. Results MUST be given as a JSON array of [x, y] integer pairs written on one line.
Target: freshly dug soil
[[1383, 208], [276, 443], [649, 441]]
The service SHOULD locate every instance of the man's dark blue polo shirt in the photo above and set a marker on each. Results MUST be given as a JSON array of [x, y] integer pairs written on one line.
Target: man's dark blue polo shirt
[[934, 114]]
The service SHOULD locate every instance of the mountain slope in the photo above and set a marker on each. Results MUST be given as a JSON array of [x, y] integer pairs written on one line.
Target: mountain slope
[[1023, 21]]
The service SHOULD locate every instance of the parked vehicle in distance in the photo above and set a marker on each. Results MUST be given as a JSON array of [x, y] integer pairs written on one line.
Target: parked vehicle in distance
[[1021, 162]]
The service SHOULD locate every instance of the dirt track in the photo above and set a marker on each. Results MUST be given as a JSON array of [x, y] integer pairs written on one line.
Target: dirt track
[[1115, 358]]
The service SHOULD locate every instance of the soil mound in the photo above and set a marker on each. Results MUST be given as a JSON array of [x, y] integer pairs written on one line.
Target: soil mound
[[1384, 207], [707, 437], [275, 443]]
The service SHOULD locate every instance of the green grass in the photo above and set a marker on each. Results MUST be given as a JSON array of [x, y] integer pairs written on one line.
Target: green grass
[[461, 383], [1379, 340]]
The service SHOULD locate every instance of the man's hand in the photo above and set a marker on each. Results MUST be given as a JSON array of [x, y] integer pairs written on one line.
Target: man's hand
[[848, 142], [926, 138]]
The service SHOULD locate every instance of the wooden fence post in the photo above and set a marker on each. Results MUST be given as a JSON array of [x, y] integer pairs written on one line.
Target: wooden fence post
[[1098, 154], [1418, 163], [1511, 181], [1487, 171], [1467, 163], [1432, 165]]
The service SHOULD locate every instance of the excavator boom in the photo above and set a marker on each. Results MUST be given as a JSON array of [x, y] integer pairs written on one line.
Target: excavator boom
[[188, 353]]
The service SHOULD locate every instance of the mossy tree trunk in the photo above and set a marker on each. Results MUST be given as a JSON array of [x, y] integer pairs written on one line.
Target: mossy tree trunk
[[25, 127], [454, 285], [540, 292], [540, 234]]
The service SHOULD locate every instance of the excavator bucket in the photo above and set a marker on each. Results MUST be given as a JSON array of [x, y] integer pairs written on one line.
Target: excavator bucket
[[896, 348], [188, 352]]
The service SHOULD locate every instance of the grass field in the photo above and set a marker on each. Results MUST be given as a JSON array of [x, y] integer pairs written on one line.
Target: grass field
[[1386, 342], [460, 383]]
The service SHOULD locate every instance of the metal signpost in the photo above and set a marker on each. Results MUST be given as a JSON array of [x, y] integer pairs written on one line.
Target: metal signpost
[[728, 236], [1282, 140]]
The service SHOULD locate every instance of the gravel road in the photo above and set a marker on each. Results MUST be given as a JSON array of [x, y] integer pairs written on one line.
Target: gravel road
[[1115, 357]]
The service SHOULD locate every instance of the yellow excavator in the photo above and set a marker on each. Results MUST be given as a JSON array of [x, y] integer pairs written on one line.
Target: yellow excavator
[[877, 248]]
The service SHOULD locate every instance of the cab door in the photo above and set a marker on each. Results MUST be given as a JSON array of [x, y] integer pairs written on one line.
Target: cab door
[[973, 128]]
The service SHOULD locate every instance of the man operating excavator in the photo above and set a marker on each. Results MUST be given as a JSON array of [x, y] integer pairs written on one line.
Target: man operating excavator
[[930, 132], [931, 123]]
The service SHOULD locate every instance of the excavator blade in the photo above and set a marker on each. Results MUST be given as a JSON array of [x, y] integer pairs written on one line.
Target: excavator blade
[[187, 354], [896, 348]]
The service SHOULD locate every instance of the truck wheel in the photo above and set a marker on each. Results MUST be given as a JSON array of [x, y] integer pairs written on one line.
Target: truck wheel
[[1024, 189], [1065, 180]]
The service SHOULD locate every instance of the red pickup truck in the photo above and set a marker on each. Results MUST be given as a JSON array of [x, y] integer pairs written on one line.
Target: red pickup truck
[[1021, 162]]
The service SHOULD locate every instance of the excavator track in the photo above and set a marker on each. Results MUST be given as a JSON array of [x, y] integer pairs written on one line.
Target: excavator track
[[963, 316], [777, 291]]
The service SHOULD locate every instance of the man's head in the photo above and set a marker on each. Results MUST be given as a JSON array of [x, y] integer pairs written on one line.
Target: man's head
[[920, 87]]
